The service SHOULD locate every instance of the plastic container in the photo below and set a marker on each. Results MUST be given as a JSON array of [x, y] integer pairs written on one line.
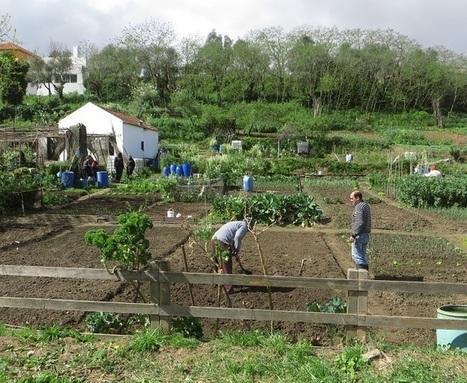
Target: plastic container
[[303, 147], [186, 169], [237, 144], [102, 179], [171, 213], [173, 169], [247, 183], [166, 171], [179, 171], [83, 182], [221, 148], [452, 338], [67, 179]]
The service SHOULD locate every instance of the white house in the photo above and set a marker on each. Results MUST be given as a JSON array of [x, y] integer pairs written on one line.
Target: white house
[[75, 78], [130, 135]]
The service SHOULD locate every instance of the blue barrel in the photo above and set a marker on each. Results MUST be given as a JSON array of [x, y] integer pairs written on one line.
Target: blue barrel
[[102, 179], [221, 148], [179, 171], [166, 171], [247, 183], [83, 182], [452, 338], [173, 169], [67, 179], [186, 169]]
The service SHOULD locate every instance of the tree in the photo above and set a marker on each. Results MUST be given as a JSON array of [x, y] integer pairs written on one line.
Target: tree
[[53, 71], [7, 32], [112, 73], [150, 43], [12, 79]]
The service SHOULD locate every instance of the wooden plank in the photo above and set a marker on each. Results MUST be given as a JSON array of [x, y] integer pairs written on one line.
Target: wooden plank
[[233, 313], [160, 295], [260, 280], [70, 272], [415, 287], [357, 303]]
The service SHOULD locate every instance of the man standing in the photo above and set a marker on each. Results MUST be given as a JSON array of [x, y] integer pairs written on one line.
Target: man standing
[[118, 165], [361, 228], [226, 243]]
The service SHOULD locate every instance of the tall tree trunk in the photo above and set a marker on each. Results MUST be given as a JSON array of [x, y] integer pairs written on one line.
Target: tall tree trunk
[[437, 112]]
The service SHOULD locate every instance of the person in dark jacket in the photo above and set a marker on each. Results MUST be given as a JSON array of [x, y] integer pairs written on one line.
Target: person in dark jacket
[[130, 166], [118, 164], [361, 228]]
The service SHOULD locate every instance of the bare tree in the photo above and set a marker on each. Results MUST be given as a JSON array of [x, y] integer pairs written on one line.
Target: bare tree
[[7, 32]]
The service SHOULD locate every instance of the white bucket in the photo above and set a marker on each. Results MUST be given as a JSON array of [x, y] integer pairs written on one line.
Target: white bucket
[[170, 213]]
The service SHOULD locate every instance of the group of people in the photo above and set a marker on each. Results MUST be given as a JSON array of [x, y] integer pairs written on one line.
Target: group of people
[[120, 166], [90, 167], [226, 242]]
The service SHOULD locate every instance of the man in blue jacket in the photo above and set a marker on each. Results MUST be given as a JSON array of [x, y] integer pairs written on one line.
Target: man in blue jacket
[[361, 228]]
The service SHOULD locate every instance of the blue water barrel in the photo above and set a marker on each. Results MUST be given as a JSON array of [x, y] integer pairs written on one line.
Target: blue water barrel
[[452, 338], [83, 182], [67, 179], [186, 169], [102, 179], [247, 183], [179, 171], [166, 171], [173, 169]]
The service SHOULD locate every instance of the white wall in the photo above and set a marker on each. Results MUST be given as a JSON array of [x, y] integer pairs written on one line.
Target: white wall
[[132, 138]]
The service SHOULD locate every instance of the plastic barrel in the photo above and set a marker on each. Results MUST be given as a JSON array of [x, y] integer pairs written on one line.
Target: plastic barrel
[[67, 179], [179, 171], [186, 169], [83, 182], [102, 179], [452, 338], [166, 171], [173, 168], [221, 148], [247, 183]]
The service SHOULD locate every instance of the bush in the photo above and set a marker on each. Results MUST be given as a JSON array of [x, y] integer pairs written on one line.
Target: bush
[[420, 191], [267, 208]]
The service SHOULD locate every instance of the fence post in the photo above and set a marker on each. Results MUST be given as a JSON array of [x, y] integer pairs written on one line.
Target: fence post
[[357, 303], [160, 294]]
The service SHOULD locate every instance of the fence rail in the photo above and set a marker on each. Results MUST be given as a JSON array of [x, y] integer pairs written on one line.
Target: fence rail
[[161, 310]]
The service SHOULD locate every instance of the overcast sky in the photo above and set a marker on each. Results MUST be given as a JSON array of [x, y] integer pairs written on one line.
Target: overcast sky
[[37, 22]]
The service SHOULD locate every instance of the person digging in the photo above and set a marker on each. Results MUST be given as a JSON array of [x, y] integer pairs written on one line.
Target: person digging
[[225, 245]]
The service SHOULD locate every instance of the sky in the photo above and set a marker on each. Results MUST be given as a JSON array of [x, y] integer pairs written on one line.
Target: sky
[[69, 22]]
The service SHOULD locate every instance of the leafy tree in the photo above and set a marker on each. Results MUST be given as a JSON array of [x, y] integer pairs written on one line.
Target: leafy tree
[[12, 79], [112, 73]]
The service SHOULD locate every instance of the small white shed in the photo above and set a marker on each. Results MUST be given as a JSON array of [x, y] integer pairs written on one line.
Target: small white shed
[[131, 135]]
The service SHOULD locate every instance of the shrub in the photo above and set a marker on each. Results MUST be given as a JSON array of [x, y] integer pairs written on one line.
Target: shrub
[[296, 209], [420, 191]]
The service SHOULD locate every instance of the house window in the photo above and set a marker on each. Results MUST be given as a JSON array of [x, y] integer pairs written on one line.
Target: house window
[[142, 146]]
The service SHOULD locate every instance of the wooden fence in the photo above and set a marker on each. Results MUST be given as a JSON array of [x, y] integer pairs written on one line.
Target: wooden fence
[[161, 310]]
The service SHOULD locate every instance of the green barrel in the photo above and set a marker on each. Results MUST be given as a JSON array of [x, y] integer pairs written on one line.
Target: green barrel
[[452, 338]]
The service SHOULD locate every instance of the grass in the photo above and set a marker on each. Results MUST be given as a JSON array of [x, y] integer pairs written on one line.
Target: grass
[[151, 356]]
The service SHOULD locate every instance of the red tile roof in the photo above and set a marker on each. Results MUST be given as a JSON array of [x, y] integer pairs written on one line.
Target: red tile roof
[[131, 120], [18, 51]]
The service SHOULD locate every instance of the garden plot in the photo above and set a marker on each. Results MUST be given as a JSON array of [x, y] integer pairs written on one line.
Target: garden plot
[[67, 250], [335, 203], [181, 210], [104, 205]]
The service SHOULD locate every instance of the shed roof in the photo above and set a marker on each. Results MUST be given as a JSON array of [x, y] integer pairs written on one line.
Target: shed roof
[[128, 119]]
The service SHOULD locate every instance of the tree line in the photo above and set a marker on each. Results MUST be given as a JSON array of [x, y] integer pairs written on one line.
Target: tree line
[[324, 69]]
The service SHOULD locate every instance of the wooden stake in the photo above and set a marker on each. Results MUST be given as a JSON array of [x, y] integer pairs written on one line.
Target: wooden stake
[[301, 267], [186, 269]]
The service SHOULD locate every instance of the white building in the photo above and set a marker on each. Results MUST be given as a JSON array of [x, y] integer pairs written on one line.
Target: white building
[[75, 78], [130, 135]]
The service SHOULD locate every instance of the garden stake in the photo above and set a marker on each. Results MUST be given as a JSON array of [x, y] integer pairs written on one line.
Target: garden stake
[[186, 269], [301, 267]]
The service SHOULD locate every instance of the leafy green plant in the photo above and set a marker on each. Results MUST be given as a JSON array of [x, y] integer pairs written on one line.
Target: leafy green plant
[[351, 361], [335, 305], [296, 209], [188, 327], [146, 341], [105, 323]]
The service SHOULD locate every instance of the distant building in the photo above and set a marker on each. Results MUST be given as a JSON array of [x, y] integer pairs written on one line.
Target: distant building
[[19, 52], [75, 78]]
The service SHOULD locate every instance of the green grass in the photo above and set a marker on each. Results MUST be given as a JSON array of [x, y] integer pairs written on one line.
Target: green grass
[[252, 356]]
